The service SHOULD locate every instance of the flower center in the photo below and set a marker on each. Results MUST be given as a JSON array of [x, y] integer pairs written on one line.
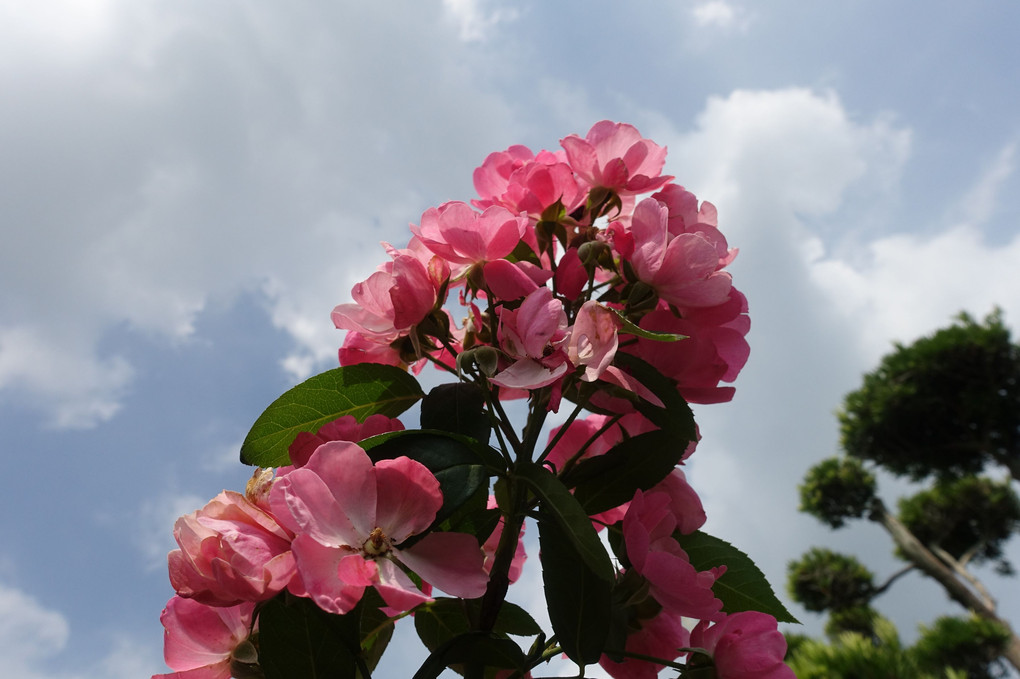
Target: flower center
[[377, 543]]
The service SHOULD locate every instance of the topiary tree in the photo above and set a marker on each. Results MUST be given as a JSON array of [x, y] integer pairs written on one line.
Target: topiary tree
[[946, 405], [944, 408]]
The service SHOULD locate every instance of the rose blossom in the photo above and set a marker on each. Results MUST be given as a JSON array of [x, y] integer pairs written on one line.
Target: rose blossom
[[230, 551], [746, 645], [200, 641], [350, 516], [616, 156]]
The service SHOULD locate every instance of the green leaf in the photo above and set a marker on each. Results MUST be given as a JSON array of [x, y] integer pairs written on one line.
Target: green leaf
[[743, 586], [298, 640], [443, 619], [559, 505], [359, 390], [579, 599], [630, 328], [674, 415], [458, 408], [609, 480], [482, 649]]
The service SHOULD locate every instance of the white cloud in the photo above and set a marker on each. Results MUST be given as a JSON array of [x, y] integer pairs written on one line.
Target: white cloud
[[30, 634], [184, 162], [474, 22], [719, 14]]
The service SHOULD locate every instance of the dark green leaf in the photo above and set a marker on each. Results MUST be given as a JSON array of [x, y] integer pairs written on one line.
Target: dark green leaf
[[559, 505], [473, 648], [579, 600], [359, 390], [743, 586], [298, 640], [609, 480], [674, 415], [458, 408]]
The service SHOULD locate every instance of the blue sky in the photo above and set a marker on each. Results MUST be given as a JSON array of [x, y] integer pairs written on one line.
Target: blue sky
[[187, 189]]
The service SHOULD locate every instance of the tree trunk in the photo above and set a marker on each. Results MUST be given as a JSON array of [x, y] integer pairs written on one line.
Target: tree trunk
[[915, 551]]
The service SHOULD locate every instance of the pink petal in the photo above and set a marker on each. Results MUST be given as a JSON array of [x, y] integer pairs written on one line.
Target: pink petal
[[408, 498], [319, 567], [453, 562], [396, 589], [527, 373]]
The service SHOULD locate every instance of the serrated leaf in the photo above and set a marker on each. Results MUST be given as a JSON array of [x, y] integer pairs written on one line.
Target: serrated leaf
[[557, 503], [482, 649], [607, 481], [458, 408], [743, 586], [579, 600], [674, 415], [359, 390]]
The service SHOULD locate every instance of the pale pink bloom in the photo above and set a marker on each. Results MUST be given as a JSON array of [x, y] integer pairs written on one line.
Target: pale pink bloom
[[616, 156], [463, 237], [199, 641], [357, 348], [350, 517], [532, 336], [524, 182], [682, 268], [396, 297], [653, 552], [345, 428], [745, 645], [715, 349], [593, 339], [659, 637], [230, 551], [513, 280], [686, 217], [684, 501]]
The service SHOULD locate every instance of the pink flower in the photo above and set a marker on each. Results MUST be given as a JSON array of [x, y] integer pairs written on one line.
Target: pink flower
[[659, 637], [231, 551], [593, 339], [199, 641], [523, 182], [396, 297], [746, 645], [531, 335], [682, 268], [648, 534], [616, 156], [357, 348], [686, 217], [350, 517], [464, 237], [715, 349], [345, 428]]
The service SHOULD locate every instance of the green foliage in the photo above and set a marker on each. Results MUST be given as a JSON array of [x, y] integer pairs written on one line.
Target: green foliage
[[837, 489], [825, 580], [743, 586], [854, 656], [458, 408], [945, 405], [579, 599], [972, 514], [298, 640], [971, 645], [358, 390], [858, 619]]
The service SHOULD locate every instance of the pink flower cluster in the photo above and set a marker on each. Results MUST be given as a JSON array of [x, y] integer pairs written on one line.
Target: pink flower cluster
[[557, 252], [325, 529], [571, 268]]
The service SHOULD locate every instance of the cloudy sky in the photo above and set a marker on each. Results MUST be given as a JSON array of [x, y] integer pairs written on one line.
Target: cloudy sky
[[188, 187]]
